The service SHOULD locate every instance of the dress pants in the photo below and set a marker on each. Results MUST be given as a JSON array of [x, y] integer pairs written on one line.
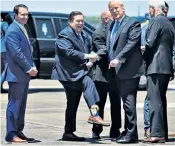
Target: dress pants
[[15, 113], [103, 88], [146, 114], [157, 87], [128, 94], [73, 93]]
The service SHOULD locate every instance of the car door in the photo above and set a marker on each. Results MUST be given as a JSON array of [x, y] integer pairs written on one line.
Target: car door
[[45, 35]]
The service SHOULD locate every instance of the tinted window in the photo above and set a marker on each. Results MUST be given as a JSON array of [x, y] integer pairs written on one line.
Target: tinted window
[[64, 23], [57, 25], [45, 28]]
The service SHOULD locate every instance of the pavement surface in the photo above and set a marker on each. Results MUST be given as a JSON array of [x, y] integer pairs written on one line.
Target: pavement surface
[[46, 109]]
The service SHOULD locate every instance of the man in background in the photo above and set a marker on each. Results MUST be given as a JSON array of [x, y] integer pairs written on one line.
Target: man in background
[[99, 76]]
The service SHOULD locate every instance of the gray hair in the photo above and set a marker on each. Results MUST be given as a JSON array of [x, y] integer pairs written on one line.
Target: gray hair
[[157, 4], [119, 1]]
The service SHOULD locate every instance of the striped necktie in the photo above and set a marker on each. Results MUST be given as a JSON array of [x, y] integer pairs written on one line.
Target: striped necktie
[[112, 39]]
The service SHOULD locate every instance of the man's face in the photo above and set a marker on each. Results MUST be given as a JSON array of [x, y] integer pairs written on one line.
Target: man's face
[[105, 17], [116, 9], [151, 11], [22, 15], [77, 23], [166, 11]]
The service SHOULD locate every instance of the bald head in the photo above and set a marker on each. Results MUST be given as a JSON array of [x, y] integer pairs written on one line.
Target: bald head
[[116, 9], [106, 16]]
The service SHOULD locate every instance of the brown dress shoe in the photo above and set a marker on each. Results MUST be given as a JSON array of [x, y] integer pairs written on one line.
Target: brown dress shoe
[[154, 140], [97, 120], [17, 140]]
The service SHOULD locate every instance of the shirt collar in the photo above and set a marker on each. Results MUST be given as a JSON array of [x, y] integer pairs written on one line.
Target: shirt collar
[[20, 25], [120, 20]]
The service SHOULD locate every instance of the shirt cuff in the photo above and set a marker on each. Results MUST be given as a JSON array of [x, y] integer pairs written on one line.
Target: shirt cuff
[[29, 70], [85, 56]]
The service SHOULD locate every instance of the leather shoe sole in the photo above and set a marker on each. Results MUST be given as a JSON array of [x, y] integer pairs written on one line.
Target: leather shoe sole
[[150, 140], [97, 120], [17, 140]]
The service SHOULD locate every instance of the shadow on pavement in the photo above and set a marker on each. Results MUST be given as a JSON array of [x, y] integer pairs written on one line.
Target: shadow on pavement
[[45, 90]]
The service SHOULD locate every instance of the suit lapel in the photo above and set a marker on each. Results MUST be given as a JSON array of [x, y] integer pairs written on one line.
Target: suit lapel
[[75, 38], [123, 23], [22, 33], [109, 27]]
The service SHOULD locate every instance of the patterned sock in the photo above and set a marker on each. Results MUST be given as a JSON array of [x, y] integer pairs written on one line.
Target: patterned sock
[[94, 110]]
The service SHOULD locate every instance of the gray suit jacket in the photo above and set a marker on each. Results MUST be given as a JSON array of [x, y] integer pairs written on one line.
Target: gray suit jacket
[[127, 46], [159, 46], [100, 67]]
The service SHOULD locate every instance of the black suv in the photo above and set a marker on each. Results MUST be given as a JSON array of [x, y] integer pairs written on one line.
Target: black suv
[[43, 29]]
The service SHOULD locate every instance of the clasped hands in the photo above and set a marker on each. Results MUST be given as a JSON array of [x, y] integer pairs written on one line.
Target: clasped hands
[[92, 58]]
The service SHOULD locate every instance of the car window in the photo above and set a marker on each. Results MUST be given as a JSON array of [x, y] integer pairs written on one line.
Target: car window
[[58, 25], [64, 23], [45, 28]]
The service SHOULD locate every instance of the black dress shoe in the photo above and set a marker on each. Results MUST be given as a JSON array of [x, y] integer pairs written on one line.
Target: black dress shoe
[[72, 137], [96, 136], [22, 136], [125, 139], [121, 135]]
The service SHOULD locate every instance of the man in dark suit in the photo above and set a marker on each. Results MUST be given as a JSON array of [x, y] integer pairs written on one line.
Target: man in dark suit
[[20, 67], [99, 76], [146, 101], [159, 69], [71, 69], [125, 65]]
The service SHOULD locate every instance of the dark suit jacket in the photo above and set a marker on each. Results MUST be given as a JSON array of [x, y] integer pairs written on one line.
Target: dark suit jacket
[[70, 64], [18, 55], [127, 46], [100, 67], [159, 46]]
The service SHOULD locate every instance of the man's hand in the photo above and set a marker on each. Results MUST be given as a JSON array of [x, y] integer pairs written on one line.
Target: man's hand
[[114, 63], [33, 72], [143, 48], [93, 57], [89, 64]]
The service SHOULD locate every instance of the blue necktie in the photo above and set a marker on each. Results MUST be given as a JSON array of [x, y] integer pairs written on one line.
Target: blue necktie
[[112, 39], [81, 38]]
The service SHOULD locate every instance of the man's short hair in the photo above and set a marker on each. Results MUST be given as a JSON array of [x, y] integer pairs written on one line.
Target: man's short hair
[[16, 8], [166, 5], [73, 14], [159, 4]]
